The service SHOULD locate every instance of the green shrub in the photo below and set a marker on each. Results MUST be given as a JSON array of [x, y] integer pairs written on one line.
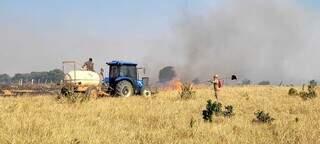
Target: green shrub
[[262, 117], [313, 83], [293, 92], [308, 95], [214, 108], [228, 111], [311, 93], [207, 115], [211, 108]]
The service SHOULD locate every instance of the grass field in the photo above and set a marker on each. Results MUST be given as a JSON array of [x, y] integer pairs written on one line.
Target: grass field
[[162, 118]]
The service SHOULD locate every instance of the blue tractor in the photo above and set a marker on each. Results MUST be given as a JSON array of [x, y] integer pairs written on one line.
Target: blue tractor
[[124, 80]]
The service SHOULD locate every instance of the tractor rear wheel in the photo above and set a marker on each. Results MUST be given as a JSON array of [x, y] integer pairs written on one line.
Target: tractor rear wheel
[[92, 92], [124, 89]]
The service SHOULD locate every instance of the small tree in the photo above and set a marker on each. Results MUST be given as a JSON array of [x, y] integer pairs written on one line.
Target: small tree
[[167, 74], [4, 79], [246, 82], [211, 108], [56, 75], [264, 83]]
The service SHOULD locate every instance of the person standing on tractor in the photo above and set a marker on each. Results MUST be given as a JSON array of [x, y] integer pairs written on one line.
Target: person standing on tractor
[[217, 84], [101, 72], [88, 65]]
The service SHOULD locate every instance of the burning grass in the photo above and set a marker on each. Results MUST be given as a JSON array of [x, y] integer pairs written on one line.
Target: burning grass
[[163, 118]]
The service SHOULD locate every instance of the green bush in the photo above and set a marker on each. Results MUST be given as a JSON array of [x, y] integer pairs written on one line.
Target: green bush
[[311, 93], [313, 83], [293, 92], [228, 111], [214, 108], [308, 95], [211, 108], [263, 117]]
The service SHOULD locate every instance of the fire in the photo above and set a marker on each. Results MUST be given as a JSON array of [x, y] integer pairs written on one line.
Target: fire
[[175, 84]]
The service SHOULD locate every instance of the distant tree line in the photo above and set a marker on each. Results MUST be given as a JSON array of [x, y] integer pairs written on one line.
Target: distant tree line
[[265, 82], [54, 76]]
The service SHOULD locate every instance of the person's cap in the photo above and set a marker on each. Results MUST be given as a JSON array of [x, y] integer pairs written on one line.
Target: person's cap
[[215, 76]]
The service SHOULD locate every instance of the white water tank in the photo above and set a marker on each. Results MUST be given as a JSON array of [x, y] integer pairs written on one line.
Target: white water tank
[[87, 78]]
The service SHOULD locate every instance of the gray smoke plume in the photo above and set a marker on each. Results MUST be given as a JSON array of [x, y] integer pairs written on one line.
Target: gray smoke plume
[[258, 39]]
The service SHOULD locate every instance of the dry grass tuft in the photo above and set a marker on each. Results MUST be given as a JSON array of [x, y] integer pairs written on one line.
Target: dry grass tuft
[[187, 91]]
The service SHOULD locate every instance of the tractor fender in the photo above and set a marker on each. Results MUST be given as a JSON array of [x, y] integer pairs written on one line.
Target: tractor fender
[[140, 85]]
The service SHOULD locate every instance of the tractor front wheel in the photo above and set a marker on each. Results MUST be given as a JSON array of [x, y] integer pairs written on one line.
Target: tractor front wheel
[[146, 93], [124, 89]]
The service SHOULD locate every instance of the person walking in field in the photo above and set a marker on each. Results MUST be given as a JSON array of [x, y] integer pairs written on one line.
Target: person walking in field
[[88, 65], [217, 84]]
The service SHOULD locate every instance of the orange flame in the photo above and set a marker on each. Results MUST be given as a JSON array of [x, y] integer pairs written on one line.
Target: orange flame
[[175, 84]]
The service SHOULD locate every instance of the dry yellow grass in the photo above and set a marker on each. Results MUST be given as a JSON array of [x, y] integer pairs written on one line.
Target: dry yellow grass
[[163, 118]]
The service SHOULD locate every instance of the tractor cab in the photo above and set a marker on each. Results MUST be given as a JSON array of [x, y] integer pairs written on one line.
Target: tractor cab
[[124, 80]]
